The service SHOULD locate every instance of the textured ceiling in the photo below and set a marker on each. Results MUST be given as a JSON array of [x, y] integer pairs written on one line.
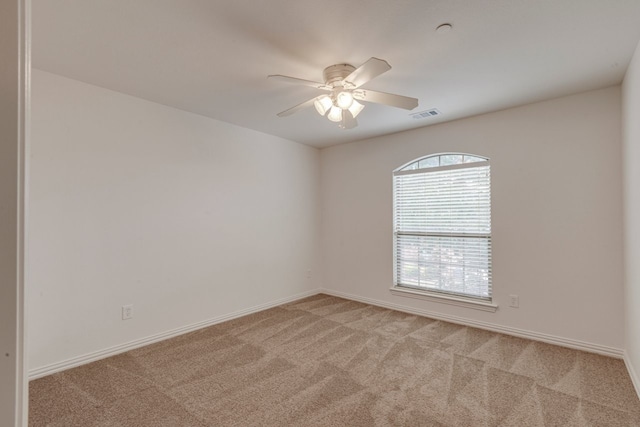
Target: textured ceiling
[[212, 57]]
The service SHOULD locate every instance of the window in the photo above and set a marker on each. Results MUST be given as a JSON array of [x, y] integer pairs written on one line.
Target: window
[[442, 226]]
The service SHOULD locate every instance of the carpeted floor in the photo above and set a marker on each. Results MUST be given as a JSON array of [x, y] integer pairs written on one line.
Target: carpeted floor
[[326, 361]]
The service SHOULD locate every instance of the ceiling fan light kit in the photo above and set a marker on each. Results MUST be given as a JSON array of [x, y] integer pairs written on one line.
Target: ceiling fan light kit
[[355, 108], [344, 99], [335, 114], [323, 103], [343, 81]]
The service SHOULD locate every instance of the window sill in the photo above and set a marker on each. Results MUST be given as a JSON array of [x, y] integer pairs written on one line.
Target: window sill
[[445, 299]]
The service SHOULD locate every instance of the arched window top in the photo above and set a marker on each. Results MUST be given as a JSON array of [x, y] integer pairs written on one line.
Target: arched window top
[[441, 160]]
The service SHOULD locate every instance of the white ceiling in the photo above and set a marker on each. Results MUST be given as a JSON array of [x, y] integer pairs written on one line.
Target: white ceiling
[[212, 57]]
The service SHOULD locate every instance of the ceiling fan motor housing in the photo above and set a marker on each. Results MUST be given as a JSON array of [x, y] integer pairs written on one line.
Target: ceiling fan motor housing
[[334, 74]]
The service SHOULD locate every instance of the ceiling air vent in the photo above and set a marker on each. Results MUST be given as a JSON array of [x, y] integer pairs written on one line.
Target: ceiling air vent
[[427, 113]]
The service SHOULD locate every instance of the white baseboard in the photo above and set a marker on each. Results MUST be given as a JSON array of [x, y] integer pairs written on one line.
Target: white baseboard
[[632, 373], [536, 336], [121, 348]]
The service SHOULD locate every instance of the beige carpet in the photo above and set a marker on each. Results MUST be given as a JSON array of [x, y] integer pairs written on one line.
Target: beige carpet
[[326, 361]]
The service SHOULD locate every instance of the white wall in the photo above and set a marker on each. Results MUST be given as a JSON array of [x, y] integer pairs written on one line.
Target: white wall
[[631, 152], [556, 214], [184, 217], [14, 32]]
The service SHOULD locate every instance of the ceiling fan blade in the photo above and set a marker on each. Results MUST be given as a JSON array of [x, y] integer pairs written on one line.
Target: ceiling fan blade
[[348, 121], [297, 81], [297, 108], [386, 98], [367, 71]]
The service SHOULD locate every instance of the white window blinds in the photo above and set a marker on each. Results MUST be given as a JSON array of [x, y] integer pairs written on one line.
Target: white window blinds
[[442, 225]]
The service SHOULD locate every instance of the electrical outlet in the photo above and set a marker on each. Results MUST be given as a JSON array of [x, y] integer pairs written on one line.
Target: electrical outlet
[[308, 274], [514, 301], [127, 312]]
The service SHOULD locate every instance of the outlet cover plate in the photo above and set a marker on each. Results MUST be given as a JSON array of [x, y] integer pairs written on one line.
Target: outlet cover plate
[[514, 301], [127, 312]]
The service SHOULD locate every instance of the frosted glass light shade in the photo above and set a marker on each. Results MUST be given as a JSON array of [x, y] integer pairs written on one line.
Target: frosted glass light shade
[[355, 108], [322, 104], [344, 100], [335, 114]]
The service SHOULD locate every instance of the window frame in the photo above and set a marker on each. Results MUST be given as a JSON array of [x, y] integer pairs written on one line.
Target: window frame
[[470, 301]]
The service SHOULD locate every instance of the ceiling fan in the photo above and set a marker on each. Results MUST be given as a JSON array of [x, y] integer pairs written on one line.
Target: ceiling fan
[[343, 83]]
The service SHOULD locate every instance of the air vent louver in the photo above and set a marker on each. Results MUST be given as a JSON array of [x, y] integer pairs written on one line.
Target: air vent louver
[[427, 113]]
